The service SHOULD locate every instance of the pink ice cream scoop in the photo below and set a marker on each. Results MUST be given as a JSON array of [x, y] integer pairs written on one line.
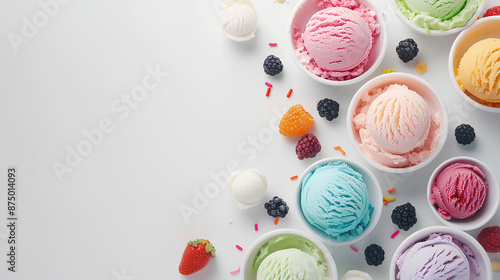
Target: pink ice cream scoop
[[398, 120], [338, 39], [459, 191]]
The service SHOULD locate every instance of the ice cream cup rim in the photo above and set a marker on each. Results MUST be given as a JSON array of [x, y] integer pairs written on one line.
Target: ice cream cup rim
[[251, 252], [383, 35], [444, 123], [431, 32], [462, 236], [451, 70], [376, 201], [493, 190]]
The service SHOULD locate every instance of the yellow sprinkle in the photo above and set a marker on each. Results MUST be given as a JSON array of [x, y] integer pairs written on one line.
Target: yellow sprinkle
[[421, 68], [389, 199], [280, 1], [230, 221], [495, 265], [388, 71]]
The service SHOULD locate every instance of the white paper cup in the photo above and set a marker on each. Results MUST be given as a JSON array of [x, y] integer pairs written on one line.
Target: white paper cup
[[477, 249], [300, 17], [482, 29], [416, 84], [490, 205], [251, 253]]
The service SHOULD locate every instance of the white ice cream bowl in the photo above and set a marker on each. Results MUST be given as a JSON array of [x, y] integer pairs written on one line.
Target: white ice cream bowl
[[252, 251], [481, 29], [420, 86], [423, 31], [300, 17], [491, 202], [477, 249], [374, 196]]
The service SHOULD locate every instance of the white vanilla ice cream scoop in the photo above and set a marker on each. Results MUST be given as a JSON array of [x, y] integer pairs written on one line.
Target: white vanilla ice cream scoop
[[239, 20], [247, 188]]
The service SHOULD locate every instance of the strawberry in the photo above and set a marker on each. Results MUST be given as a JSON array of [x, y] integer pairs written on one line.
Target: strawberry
[[196, 256]]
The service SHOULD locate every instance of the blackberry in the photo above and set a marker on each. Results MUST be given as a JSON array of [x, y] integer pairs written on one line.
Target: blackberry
[[328, 109], [307, 147], [404, 216], [272, 65], [276, 207], [465, 134], [374, 255], [407, 49]]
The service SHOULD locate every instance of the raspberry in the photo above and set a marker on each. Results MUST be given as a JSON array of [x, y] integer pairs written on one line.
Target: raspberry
[[328, 109], [404, 216], [374, 255], [276, 207], [407, 49], [296, 121], [465, 134], [307, 147], [272, 65], [489, 238], [493, 11]]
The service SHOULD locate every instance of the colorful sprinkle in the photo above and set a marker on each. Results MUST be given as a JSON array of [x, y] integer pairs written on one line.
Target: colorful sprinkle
[[388, 71], [289, 93], [354, 249], [388, 199], [239, 247], [395, 234], [268, 91], [421, 68], [385, 202], [276, 220], [340, 149], [230, 221], [495, 265], [391, 190], [269, 85], [235, 271], [294, 177], [273, 44], [256, 227]]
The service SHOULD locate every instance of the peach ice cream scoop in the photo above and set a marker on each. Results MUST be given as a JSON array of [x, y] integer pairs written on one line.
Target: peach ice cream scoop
[[398, 120]]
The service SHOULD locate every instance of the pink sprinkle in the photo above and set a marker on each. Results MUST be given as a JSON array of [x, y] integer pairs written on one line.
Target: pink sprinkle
[[268, 84], [239, 247], [273, 44], [235, 271], [354, 249], [256, 227], [395, 234]]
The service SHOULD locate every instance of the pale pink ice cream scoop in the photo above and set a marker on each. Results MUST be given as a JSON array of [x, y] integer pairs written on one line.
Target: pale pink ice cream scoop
[[337, 38], [398, 120], [459, 191]]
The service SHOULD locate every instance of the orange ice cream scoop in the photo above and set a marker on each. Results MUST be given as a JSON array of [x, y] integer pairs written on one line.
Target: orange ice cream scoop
[[479, 70]]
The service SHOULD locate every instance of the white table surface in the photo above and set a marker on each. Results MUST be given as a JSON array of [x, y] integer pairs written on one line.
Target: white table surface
[[114, 213]]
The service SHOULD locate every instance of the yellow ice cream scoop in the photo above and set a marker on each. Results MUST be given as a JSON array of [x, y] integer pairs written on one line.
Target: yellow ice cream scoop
[[479, 70]]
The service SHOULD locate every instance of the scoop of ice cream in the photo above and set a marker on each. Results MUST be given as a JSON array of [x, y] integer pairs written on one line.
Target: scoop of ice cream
[[459, 191], [440, 257], [289, 255], [337, 38], [289, 264], [443, 9], [247, 188], [239, 20], [479, 70], [398, 120], [334, 199], [356, 275]]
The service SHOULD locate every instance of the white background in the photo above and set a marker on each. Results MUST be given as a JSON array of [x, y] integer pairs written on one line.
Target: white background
[[116, 214]]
